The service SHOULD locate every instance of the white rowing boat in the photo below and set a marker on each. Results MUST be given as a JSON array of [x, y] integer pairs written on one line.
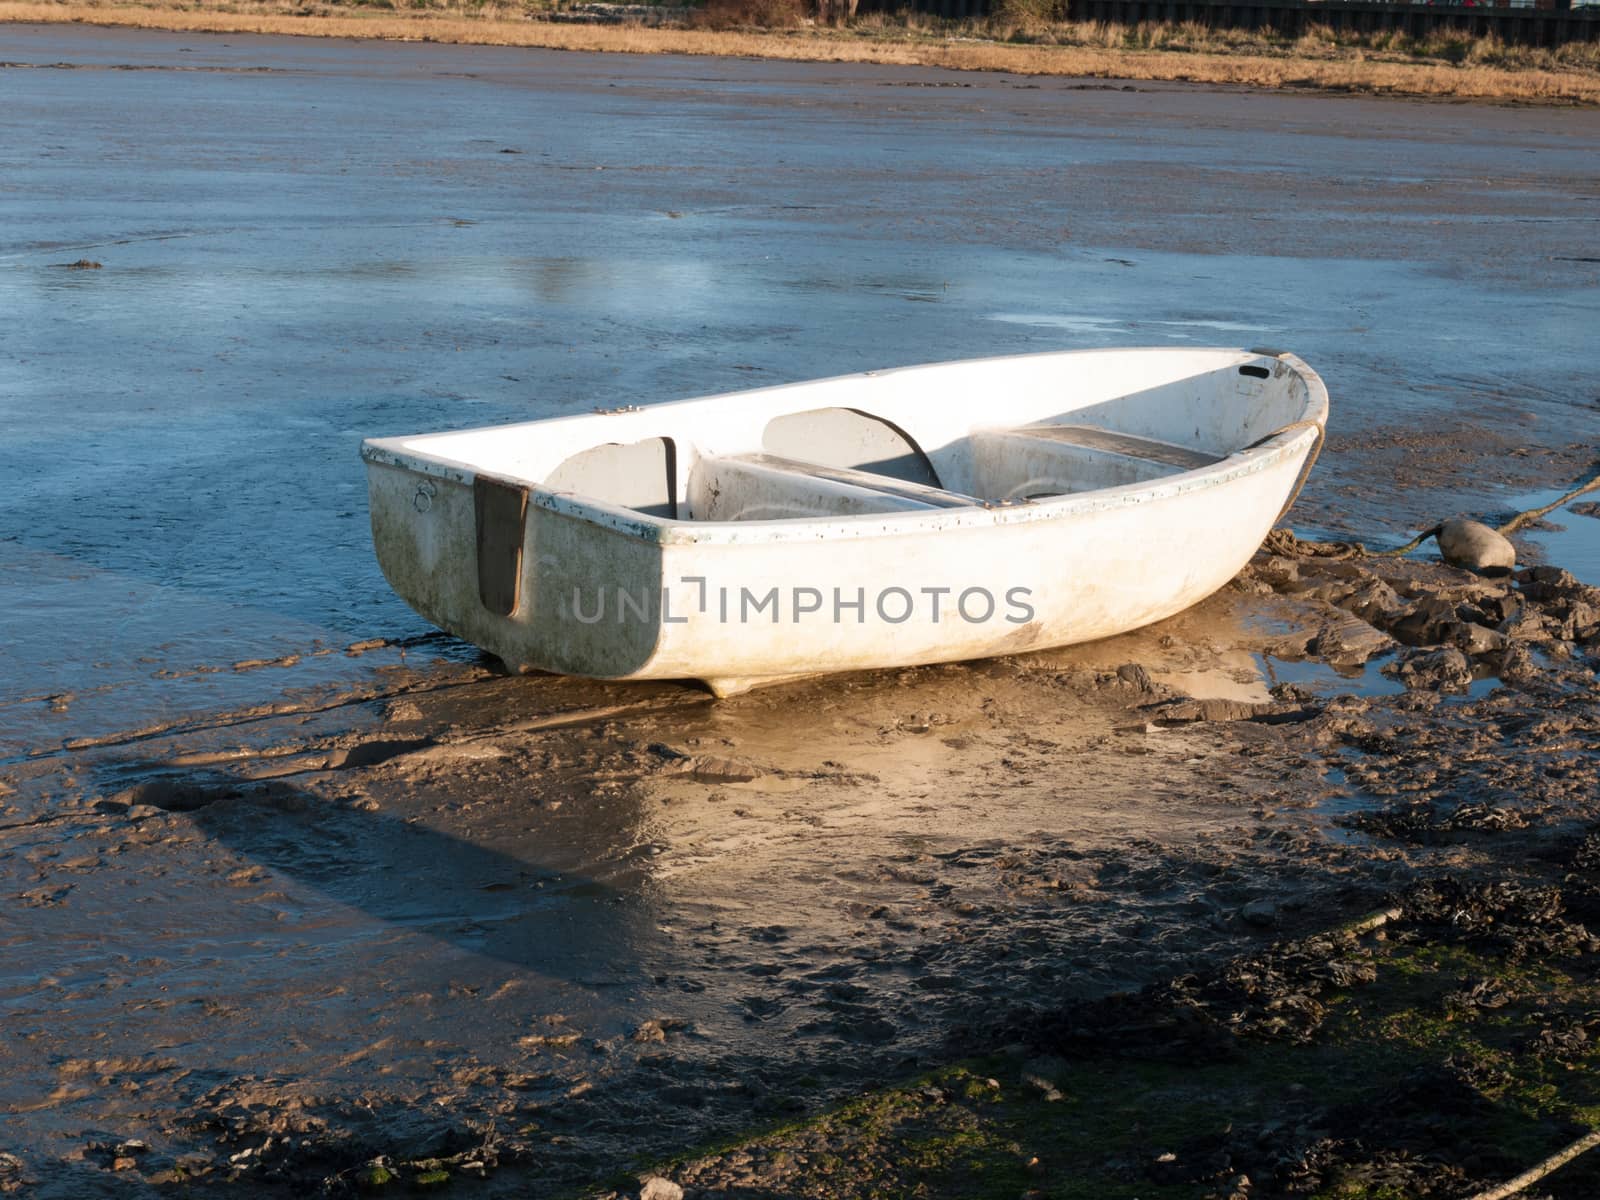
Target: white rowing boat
[[886, 519]]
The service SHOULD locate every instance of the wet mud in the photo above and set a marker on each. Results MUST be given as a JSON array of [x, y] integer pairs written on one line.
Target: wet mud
[[594, 905], [301, 896], [527, 928], [1413, 1035]]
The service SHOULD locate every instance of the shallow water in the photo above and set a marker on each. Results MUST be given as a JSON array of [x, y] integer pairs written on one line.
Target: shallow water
[[1565, 538], [1325, 680]]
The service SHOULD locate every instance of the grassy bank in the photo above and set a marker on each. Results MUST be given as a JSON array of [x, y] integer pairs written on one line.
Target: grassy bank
[[1386, 64]]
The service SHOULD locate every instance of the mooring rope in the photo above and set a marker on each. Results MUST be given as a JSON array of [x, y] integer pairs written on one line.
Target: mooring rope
[[1535, 1173], [1509, 527], [1533, 514]]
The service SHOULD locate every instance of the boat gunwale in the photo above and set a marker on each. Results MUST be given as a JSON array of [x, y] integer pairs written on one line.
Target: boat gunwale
[[1296, 437]]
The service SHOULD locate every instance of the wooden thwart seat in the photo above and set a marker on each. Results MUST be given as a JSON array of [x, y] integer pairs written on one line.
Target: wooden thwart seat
[[920, 493], [1036, 461], [1127, 445], [1029, 462], [765, 487]]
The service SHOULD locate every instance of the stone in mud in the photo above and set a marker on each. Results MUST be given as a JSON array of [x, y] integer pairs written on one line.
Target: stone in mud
[[1426, 622], [1044, 1082], [1474, 639], [657, 1188], [710, 768], [1376, 603], [1135, 674], [1263, 914], [1445, 670], [1475, 547], [1347, 640]]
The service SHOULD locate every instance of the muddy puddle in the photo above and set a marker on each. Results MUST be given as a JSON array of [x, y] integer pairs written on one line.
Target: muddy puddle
[[1569, 536], [292, 882]]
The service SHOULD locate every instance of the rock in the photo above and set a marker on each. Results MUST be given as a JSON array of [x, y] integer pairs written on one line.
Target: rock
[[711, 768], [1263, 914], [1135, 674], [1349, 641], [1445, 669], [1047, 1090], [1474, 546], [1474, 639], [657, 1188]]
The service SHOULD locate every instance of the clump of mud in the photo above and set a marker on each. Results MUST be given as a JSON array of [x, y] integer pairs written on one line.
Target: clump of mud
[[1493, 732], [1447, 627], [1271, 996], [1434, 1132]]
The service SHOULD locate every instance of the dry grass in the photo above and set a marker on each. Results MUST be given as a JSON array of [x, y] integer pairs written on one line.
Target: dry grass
[[1029, 44]]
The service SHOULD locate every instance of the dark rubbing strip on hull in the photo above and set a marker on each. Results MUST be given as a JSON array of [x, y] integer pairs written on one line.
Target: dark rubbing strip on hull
[[501, 512]]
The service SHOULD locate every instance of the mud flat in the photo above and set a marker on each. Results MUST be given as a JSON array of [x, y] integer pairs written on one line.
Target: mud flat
[[522, 928], [1439, 1045], [300, 895]]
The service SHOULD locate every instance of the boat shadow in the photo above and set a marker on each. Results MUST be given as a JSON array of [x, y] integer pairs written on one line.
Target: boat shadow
[[566, 908]]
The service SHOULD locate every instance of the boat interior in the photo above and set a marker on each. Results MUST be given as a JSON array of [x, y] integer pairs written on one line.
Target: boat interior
[[840, 462], [987, 432]]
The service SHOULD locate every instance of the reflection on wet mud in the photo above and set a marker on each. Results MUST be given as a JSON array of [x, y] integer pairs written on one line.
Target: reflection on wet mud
[[605, 898]]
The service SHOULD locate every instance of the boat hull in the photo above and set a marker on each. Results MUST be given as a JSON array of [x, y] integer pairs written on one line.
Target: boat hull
[[609, 594]]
